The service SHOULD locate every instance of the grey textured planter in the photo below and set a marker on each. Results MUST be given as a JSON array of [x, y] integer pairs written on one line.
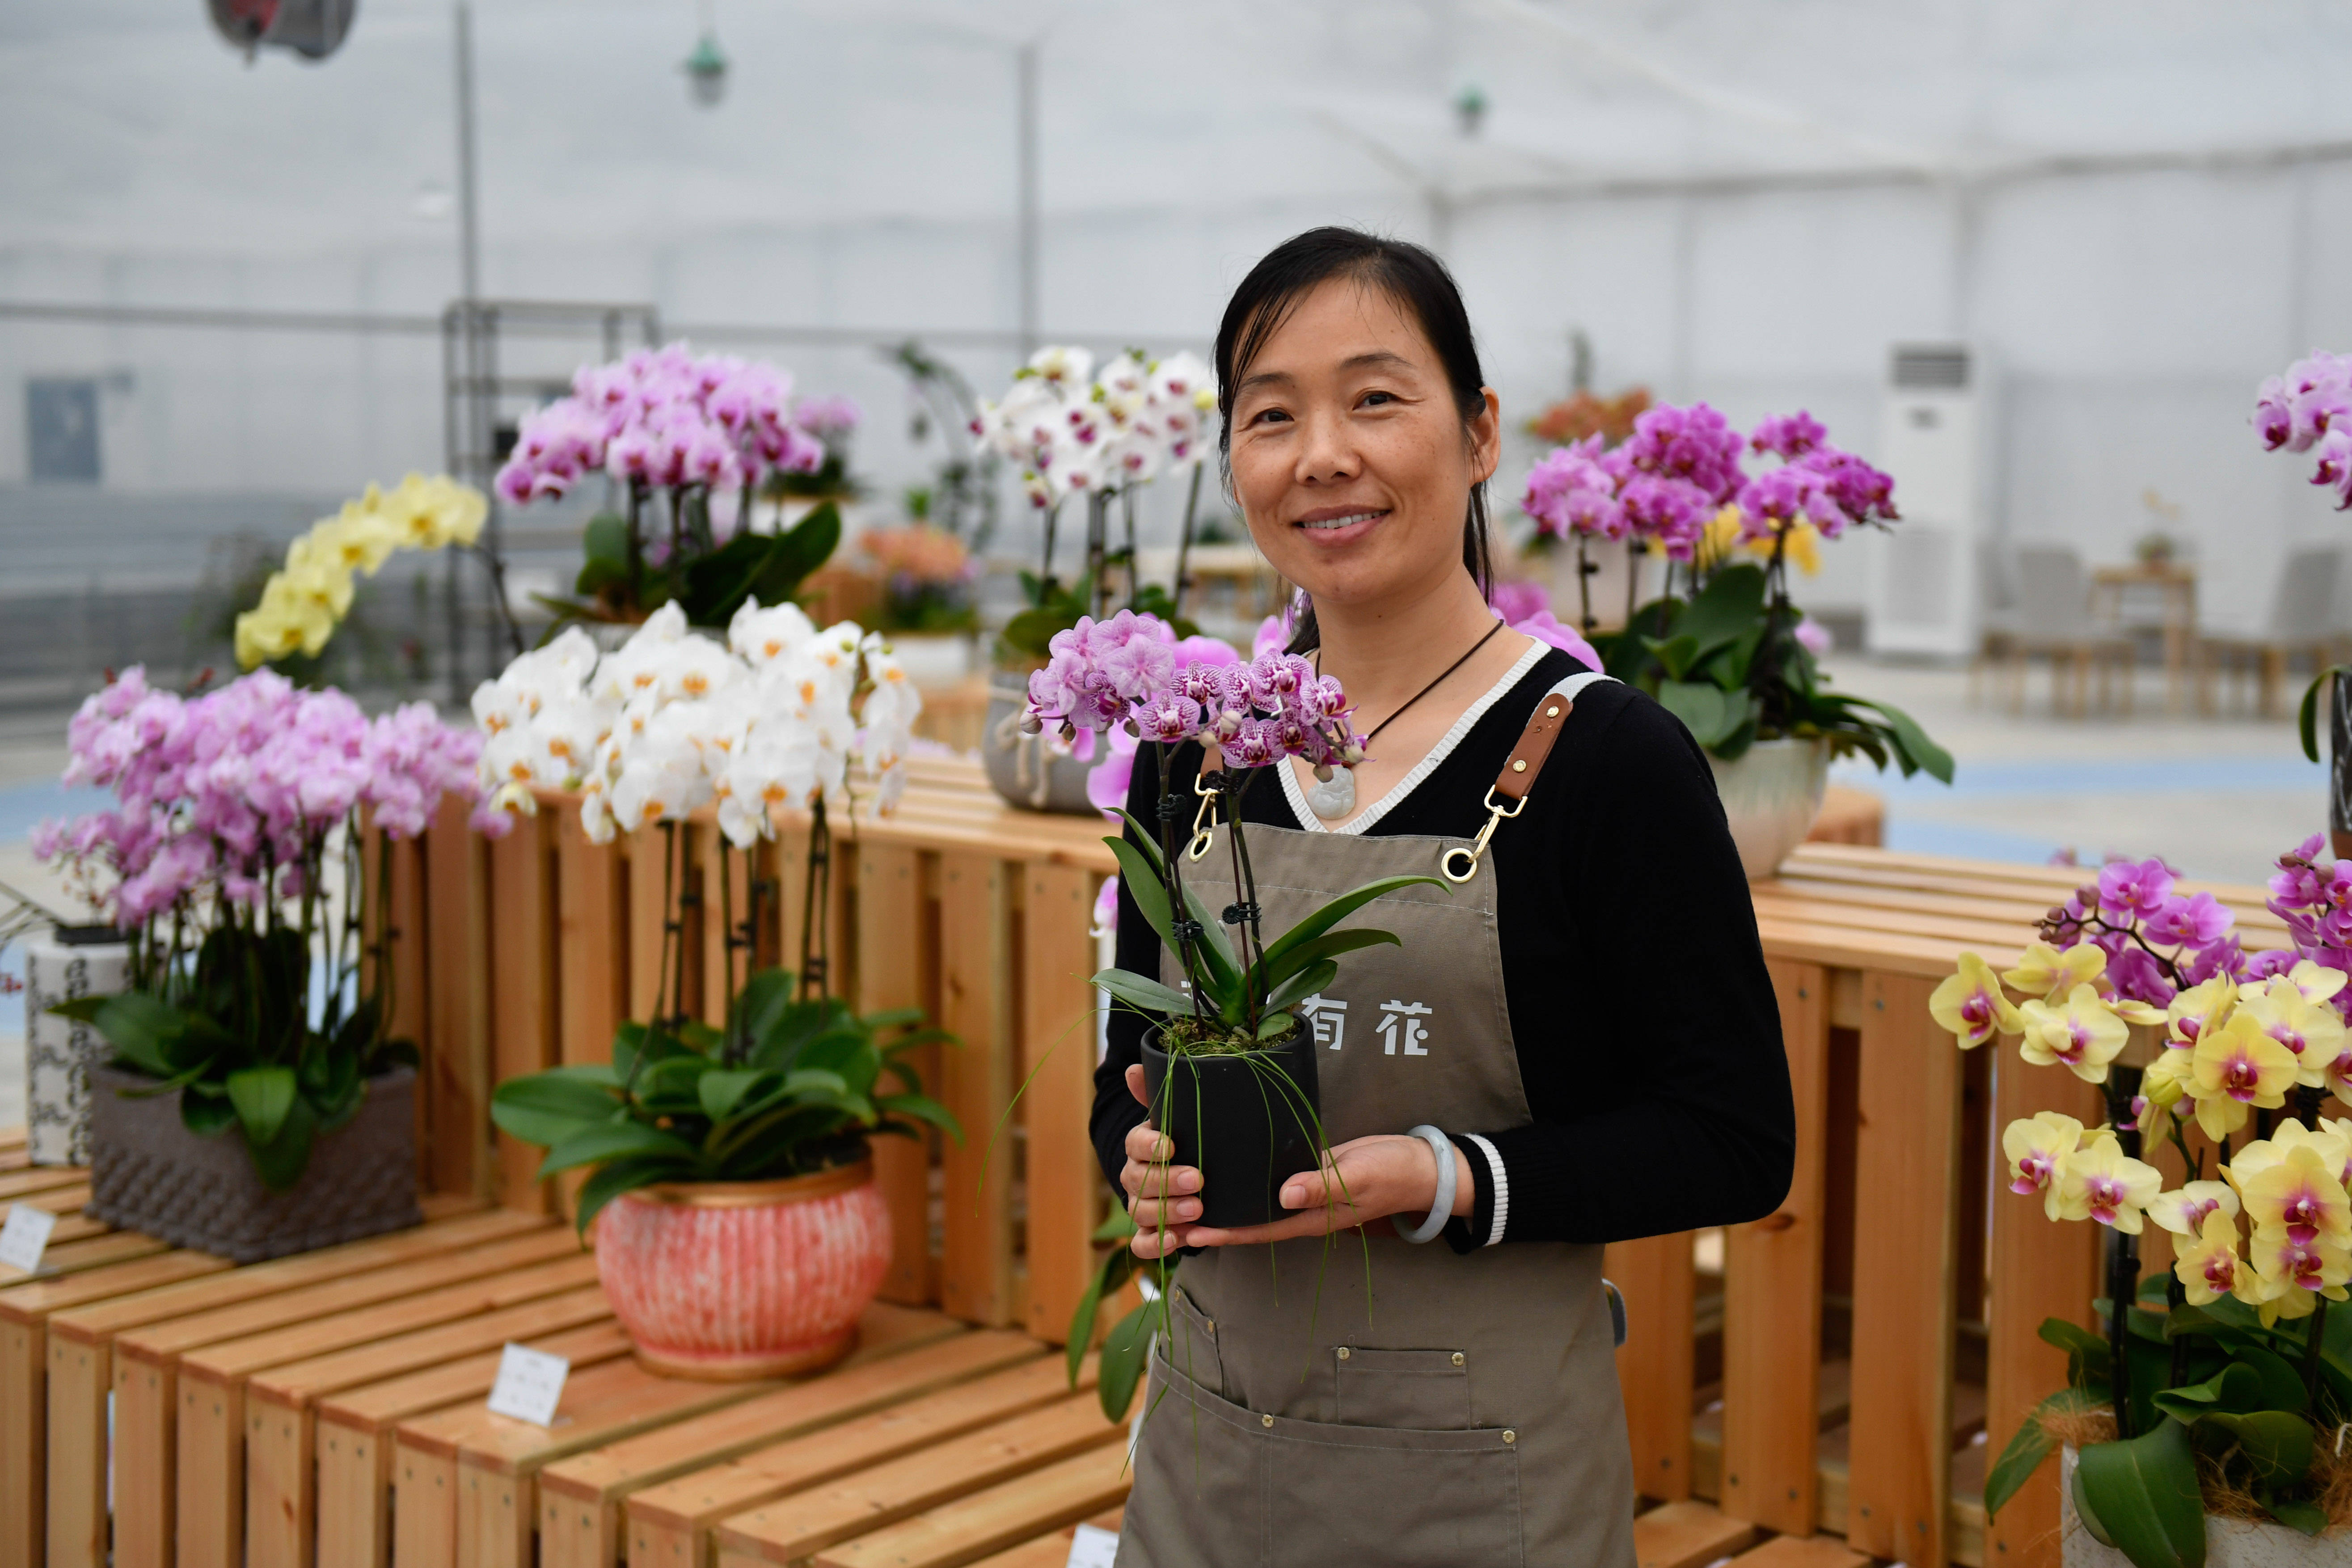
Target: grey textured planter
[[151, 1175], [1032, 772]]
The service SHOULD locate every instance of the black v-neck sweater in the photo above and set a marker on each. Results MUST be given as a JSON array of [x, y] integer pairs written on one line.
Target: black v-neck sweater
[[1648, 1035]]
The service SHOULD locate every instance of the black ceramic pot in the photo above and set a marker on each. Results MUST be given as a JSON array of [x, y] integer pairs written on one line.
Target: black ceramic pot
[[1246, 1131]]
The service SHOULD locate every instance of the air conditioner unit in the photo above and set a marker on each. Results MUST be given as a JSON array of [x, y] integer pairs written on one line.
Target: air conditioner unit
[[1923, 587]]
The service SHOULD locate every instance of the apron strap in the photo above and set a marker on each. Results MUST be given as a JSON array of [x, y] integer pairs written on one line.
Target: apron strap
[[1519, 771]]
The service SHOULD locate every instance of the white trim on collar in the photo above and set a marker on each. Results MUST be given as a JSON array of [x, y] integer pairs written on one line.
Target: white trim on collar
[[1404, 786]]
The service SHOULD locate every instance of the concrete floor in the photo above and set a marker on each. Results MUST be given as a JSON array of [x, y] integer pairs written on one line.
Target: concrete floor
[[2217, 798]]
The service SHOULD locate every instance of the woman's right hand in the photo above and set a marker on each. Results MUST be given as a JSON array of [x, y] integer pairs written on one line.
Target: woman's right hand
[[1163, 1200]]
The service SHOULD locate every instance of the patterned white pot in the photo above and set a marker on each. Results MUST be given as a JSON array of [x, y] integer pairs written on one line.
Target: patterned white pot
[[1770, 796], [2229, 1542], [79, 961]]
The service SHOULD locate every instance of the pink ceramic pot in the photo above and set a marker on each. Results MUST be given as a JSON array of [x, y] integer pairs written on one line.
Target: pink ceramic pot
[[743, 1279]]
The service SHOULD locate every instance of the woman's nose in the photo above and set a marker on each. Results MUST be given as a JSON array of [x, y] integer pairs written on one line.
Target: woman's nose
[[1325, 453]]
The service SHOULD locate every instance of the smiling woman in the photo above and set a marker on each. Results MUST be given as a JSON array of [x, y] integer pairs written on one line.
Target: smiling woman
[[1532, 1073]]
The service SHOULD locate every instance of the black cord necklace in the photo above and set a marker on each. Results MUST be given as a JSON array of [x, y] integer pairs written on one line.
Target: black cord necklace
[[1334, 797]]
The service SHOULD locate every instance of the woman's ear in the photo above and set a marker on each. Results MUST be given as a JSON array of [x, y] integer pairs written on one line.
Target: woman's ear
[[1485, 432]]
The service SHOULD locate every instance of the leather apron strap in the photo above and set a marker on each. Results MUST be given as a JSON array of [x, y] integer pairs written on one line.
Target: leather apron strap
[[1519, 770]]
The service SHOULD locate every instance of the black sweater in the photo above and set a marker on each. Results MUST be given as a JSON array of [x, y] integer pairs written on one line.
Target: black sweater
[[1648, 1035]]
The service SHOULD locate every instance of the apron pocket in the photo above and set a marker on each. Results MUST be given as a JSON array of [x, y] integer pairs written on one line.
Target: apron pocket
[[1217, 1486], [1193, 1347], [1428, 1390]]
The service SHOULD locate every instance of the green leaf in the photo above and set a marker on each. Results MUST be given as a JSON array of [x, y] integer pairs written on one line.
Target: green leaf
[[595, 1145], [262, 1096], [2028, 1448], [1704, 710], [2308, 1517], [2275, 1446], [1912, 743], [281, 1161], [1303, 984], [545, 1108], [724, 1090], [206, 1110], [2088, 1359], [1142, 883], [1125, 1350], [1274, 1026], [80, 1009], [1727, 610], [1221, 974], [1674, 654], [1143, 841], [922, 1108], [606, 539], [1144, 994], [1117, 1266], [618, 1176], [2306, 719], [1278, 969], [2143, 1494], [142, 1029], [2237, 1388], [1338, 910]]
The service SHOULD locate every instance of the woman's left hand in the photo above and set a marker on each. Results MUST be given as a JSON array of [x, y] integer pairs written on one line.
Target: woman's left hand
[[1361, 1181]]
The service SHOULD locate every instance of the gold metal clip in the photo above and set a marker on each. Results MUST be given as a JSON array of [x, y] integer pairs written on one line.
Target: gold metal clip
[[1204, 820], [1478, 849]]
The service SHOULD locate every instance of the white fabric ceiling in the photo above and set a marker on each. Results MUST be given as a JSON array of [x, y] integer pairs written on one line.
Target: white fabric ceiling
[[2133, 208]]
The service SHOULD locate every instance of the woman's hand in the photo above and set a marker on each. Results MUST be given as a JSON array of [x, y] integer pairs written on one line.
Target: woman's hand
[[1361, 1181]]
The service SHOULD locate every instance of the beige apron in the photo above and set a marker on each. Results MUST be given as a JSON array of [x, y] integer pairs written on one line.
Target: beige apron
[[1467, 1412]]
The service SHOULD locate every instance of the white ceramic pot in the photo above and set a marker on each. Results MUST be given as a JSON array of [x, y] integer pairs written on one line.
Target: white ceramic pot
[[933, 658], [1770, 796], [81, 960], [2229, 1542]]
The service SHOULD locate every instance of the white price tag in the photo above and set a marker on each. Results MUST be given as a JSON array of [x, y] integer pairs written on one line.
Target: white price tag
[[530, 1385], [1094, 1547], [26, 1237]]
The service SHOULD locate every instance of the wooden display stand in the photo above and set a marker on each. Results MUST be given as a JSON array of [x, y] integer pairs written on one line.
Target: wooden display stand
[[1820, 1373]]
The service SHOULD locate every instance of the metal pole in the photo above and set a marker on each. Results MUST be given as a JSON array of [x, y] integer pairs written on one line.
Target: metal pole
[[469, 254], [1026, 60]]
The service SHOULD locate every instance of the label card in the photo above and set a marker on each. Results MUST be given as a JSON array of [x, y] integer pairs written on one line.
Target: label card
[[530, 1385], [1094, 1547], [26, 1237]]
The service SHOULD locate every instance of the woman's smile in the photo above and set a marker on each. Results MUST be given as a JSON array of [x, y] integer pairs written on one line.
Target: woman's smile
[[1336, 525]]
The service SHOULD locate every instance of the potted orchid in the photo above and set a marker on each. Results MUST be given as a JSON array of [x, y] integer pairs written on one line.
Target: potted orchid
[[256, 1104], [689, 438], [1228, 1048], [1100, 435], [2308, 408], [1725, 649], [927, 609], [737, 1230], [2207, 1409]]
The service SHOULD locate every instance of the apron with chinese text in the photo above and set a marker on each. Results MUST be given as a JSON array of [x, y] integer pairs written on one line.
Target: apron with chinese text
[[1459, 1409]]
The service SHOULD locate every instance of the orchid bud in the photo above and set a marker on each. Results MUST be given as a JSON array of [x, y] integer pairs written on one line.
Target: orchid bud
[[1351, 754], [1133, 734], [1069, 732], [1031, 725], [1229, 725], [1322, 772]]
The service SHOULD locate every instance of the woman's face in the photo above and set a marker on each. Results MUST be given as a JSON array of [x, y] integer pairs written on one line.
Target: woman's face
[[1350, 459]]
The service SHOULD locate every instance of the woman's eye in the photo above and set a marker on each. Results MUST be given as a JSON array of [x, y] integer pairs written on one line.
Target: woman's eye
[[1376, 398], [1268, 416]]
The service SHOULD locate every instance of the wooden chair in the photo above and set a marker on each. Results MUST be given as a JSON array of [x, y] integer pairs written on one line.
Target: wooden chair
[[1996, 621], [2053, 620], [2304, 620]]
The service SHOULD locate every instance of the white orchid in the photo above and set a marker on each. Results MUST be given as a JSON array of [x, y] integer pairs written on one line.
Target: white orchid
[[1131, 423], [674, 721]]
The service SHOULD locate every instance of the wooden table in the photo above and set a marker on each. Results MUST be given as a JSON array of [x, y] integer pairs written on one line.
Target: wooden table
[[2175, 585]]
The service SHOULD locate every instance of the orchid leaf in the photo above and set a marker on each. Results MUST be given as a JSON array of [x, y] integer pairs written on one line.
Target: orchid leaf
[[2030, 1446], [610, 1140], [1304, 983], [1338, 910], [2275, 1446], [1142, 883], [1703, 707], [1331, 945], [1125, 1350], [1147, 994], [263, 1096], [2143, 1494], [545, 1108], [2306, 719]]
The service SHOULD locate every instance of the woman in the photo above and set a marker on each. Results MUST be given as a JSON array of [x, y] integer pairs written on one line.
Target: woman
[[1586, 1018]]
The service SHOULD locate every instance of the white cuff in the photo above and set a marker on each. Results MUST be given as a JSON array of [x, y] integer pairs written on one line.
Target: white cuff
[[1502, 1189]]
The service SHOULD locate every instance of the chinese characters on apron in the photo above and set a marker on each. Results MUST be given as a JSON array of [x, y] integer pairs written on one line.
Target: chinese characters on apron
[[1459, 1410]]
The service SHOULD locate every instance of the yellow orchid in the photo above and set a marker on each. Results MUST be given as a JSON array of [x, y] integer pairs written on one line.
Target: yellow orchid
[[1972, 1005], [301, 606], [2085, 1033], [2312, 1030], [2316, 982], [2210, 1267], [1717, 539], [2046, 973], [2037, 1147], [1803, 550], [2298, 1196], [2202, 1007], [2238, 1066], [2271, 1296], [2184, 1212], [2104, 1183], [430, 513], [2162, 1085], [2291, 1271]]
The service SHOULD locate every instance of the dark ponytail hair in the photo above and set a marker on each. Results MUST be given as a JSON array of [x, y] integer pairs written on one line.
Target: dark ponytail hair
[[1419, 284]]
